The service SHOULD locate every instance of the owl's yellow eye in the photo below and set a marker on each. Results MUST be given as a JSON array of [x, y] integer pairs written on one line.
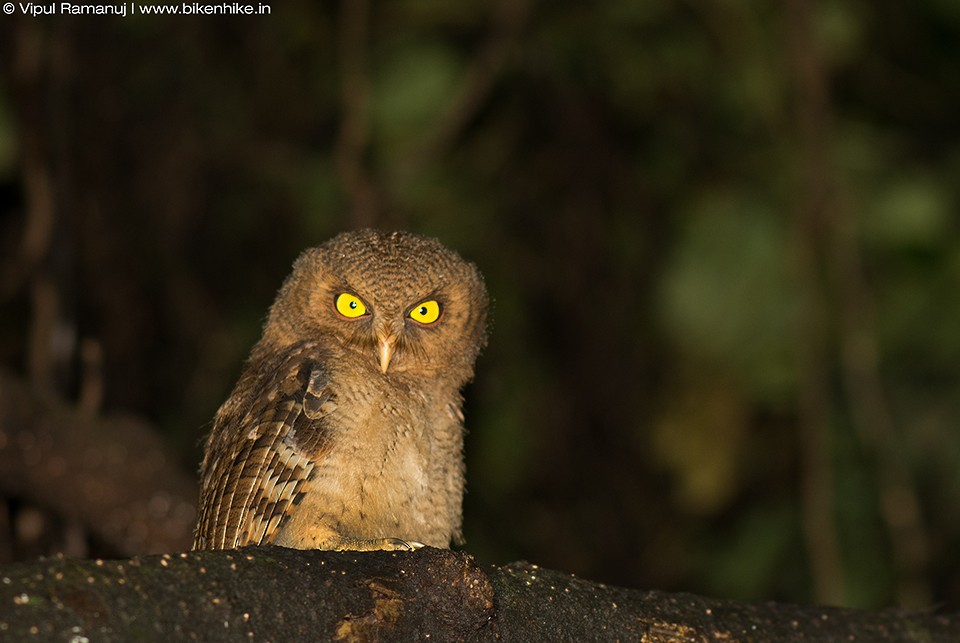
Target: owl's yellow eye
[[426, 312], [349, 305]]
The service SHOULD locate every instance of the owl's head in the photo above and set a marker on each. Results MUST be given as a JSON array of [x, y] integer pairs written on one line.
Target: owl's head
[[402, 301]]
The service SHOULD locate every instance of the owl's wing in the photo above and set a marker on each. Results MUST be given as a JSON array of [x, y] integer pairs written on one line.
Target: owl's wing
[[265, 441]]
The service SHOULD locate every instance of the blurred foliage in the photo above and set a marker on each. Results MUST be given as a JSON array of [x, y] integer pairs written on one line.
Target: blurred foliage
[[628, 176]]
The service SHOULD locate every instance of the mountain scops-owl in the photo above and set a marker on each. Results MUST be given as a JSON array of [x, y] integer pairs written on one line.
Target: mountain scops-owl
[[345, 429]]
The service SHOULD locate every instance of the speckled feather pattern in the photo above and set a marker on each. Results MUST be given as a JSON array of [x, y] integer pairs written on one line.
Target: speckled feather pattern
[[317, 446]]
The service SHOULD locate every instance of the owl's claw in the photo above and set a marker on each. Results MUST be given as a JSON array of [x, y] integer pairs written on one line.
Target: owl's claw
[[323, 537], [377, 544], [397, 544], [406, 545]]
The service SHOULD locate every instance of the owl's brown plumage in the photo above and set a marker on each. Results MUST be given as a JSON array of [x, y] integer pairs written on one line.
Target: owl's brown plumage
[[344, 430]]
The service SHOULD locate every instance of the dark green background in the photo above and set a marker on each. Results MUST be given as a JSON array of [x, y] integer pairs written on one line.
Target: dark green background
[[721, 239]]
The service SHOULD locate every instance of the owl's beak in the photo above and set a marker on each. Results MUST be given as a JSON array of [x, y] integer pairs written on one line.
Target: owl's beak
[[385, 345]]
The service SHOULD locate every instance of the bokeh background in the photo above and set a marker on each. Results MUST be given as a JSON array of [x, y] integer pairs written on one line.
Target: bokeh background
[[721, 239]]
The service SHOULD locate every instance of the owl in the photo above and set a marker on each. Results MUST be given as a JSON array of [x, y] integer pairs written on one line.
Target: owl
[[345, 430]]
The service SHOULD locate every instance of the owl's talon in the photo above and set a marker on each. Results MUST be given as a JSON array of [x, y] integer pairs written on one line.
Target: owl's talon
[[377, 544], [406, 545], [396, 544]]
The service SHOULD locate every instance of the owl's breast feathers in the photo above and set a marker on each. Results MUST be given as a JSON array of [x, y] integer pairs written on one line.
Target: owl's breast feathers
[[263, 447]]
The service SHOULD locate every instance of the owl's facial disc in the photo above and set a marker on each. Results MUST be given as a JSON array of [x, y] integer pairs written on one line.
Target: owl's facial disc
[[351, 308], [425, 313], [390, 326]]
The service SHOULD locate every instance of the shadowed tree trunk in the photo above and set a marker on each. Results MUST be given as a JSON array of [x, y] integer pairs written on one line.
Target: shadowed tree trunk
[[272, 593], [115, 476]]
